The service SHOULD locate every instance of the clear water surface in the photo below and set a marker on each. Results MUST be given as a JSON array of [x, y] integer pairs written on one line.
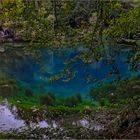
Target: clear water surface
[[35, 73]]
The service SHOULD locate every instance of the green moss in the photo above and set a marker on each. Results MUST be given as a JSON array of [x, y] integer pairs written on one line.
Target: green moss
[[61, 110], [23, 101]]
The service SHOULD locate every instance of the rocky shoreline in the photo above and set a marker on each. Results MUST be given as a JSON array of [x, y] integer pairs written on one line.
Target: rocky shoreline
[[101, 123], [7, 35]]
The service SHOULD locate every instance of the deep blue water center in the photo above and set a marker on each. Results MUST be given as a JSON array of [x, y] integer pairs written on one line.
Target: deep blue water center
[[34, 73]]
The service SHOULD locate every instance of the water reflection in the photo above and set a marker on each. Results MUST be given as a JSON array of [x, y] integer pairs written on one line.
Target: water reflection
[[35, 73]]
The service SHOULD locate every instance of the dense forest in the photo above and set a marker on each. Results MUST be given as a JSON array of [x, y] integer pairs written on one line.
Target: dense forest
[[70, 69], [63, 23]]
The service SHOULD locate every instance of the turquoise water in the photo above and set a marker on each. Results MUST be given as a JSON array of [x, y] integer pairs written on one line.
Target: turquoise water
[[34, 73]]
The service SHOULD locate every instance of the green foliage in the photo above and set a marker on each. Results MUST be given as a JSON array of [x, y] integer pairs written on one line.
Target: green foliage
[[116, 92], [126, 24], [60, 110], [70, 23], [23, 101], [48, 21]]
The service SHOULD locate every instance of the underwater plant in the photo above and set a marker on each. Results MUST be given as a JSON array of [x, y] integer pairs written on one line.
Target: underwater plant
[[8, 86], [51, 95], [73, 100], [28, 92], [47, 99]]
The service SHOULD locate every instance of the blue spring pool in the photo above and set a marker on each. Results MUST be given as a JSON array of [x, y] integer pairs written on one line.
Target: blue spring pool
[[35, 73]]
